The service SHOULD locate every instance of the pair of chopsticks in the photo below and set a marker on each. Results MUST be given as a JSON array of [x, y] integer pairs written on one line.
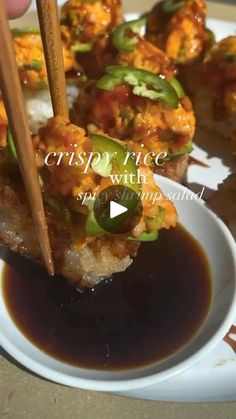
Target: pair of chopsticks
[[13, 99]]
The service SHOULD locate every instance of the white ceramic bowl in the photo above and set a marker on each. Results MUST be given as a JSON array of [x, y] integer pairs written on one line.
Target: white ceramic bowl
[[220, 248]]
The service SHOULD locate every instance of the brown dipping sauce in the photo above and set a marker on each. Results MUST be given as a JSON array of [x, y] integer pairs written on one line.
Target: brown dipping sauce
[[134, 319]]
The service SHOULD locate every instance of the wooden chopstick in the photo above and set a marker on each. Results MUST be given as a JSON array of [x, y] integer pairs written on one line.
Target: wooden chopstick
[[51, 36], [14, 103]]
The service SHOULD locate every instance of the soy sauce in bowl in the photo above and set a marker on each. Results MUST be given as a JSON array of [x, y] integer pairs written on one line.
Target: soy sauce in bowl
[[134, 319]]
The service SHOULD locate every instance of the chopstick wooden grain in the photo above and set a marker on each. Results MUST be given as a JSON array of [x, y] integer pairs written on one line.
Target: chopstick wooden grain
[[14, 103], [51, 36]]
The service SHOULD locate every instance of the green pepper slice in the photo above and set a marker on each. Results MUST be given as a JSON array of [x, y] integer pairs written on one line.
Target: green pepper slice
[[113, 159], [146, 237], [41, 182], [124, 38], [92, 228], [119, 163], [171, 6], [117, 153], [36, 65], [27, 31], [82, 47], [10, 145], [145, 84], [108, 82], [180, 153], [178, 88]]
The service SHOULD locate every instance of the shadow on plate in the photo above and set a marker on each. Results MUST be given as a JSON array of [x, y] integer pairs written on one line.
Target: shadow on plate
[[197, 189], [215, 146]]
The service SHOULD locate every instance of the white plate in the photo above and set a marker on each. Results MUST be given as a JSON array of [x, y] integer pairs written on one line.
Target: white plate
[[212, 330], [214, 378]]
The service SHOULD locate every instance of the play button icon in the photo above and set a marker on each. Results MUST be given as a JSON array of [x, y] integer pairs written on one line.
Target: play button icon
[[118, 209]]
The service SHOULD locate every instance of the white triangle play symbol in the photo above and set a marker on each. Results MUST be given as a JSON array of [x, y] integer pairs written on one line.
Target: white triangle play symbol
[[116, 209]]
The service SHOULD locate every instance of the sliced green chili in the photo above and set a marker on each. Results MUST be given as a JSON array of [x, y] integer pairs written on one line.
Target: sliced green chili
[[118, 162], [180, 153], [91, 227], [36, 65], [41, 182], [113, 159], [103, 167], [108, 82], [146, 237], [178, 88], [145, 84], [27, 31], [10, 145], [82, 47], [124, 37]]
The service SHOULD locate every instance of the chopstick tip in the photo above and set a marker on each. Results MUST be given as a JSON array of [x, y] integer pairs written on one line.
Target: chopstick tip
[[50, 267]]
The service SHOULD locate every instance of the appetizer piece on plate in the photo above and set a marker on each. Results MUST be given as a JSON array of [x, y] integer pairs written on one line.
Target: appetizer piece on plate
[[178, 27], [223, 202], [146, 112], [136, 51], [32, 69], [83, 251], [86, 19], [214, 94], [30, 58], [86, 27]]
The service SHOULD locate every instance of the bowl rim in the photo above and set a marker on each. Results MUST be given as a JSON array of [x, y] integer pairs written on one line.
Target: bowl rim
[[151, 378]]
